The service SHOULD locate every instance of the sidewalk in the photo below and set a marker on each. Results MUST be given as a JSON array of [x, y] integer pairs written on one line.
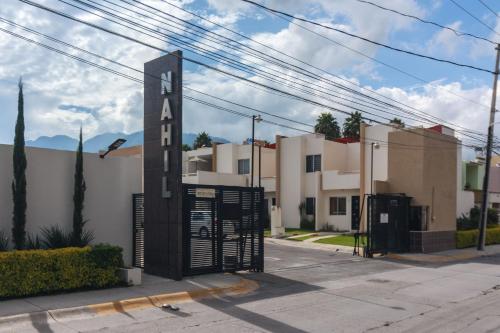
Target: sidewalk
[[154, 291], [312, 245], [446, 256]]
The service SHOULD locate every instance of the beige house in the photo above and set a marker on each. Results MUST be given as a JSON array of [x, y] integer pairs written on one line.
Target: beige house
[[329, 180], [425, 165]]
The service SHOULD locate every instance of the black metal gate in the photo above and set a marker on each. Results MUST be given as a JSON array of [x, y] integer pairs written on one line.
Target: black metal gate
[[388, 223], [138, 230], [223, 228]]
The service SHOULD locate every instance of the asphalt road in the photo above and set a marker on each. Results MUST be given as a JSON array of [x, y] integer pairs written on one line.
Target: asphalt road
[[306, 290]]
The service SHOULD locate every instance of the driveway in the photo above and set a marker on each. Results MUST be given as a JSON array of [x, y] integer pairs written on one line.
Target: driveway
[[307, 290]]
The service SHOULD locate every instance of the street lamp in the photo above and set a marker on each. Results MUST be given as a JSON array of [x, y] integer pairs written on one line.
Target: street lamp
[[114, 146], [374, 145], [258, 119]]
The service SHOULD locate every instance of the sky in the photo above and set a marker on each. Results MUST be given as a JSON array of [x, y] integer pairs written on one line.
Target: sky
[[61, 93]]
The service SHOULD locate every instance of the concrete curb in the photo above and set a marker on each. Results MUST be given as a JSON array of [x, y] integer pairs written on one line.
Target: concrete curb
[[244, 286]]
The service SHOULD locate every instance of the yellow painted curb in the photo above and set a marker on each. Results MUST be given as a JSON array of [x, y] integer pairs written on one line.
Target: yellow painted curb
[[244, 286]]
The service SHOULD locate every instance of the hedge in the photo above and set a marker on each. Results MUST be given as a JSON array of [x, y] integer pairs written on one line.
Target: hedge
[[34, 272], [468, 238]]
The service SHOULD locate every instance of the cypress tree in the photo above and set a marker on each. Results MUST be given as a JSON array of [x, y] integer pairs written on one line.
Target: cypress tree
[[19, 181], [78, 196]]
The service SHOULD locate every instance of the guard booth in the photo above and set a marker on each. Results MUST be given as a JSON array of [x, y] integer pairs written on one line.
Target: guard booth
[[223, 229], [388, 223]]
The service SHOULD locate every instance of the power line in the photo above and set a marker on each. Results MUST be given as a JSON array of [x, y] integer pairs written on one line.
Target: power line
[[315, 67], [489, 8], [455, 31], [303, 88], [474, 17], [273, 79], [203, 64], [450, 62], [408, 146]]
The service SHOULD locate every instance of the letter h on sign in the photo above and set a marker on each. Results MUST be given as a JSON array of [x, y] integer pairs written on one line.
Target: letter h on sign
[[166, 129]]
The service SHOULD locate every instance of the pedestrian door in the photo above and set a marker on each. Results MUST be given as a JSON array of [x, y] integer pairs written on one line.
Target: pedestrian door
[[222, 228], [388, 223]]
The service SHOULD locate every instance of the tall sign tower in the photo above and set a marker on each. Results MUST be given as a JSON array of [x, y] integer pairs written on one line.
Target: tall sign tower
[[163, 166]]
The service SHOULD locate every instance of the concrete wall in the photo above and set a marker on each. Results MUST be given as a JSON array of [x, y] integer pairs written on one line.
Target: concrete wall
[[427, 172], [108, 199]]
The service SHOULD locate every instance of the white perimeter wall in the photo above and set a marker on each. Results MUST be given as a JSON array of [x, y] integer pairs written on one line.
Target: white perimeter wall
[[108, 199]]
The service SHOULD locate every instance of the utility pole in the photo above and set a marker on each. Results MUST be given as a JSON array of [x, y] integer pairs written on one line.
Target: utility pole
[[491, 127]]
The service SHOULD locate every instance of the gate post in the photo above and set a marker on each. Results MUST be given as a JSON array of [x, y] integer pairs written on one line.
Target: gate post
[[163, 166]]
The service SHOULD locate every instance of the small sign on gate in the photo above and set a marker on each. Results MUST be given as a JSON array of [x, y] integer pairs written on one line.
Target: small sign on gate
[[205, 193], [384, 218]]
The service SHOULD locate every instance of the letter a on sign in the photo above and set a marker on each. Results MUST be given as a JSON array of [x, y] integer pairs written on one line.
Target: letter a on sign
[[166, 113]]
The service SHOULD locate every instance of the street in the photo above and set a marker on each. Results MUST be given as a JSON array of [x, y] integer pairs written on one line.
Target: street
[[306, 290]]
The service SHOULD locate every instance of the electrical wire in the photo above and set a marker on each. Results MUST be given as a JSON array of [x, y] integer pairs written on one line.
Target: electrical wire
[[450, 62], [314, 93], [196, 62], [310, 65], [489, 8], [455, 31], [474, 17]]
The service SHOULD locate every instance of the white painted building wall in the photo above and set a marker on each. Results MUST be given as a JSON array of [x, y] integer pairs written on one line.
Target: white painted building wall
[[339, 175], [50, 178]]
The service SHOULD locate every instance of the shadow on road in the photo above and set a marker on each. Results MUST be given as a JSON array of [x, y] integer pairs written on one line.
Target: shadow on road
[[271, 286]]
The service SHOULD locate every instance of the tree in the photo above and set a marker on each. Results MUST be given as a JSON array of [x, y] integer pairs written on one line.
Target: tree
[[326, 124], [186, 147], [19, 181], [202, 140], [398, 122], [78, 196], [352, 125]]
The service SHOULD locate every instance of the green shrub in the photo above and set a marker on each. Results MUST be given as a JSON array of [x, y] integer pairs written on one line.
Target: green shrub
[[33, 242], [468, 238], [4, 241], [307, 224], [54, 237], [472, 221], [27, 273]]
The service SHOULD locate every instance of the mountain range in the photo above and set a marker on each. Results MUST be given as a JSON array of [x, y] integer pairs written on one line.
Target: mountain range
[[102, 141]]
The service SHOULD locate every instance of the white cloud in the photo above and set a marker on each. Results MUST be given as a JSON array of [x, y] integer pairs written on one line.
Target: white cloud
[[53, 80]]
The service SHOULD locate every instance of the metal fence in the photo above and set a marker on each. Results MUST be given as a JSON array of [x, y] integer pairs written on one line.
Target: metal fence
[[138, 230], [223, 228]]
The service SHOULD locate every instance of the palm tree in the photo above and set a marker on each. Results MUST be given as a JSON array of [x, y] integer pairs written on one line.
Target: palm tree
[[398, 122], [327, 124], [202, 140], [352, 125]]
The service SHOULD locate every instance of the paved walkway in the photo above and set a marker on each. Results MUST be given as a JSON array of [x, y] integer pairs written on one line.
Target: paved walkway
[[311, 245], [151, 286], [446, 256]]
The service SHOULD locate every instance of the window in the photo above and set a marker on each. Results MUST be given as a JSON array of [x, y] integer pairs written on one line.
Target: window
[[313, 163], [337, 206], [310, 206], [273, 201], [244, 167]]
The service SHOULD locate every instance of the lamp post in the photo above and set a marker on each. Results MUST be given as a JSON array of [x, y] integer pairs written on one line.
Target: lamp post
[[374, 145], [258, 119], [114, 146]]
